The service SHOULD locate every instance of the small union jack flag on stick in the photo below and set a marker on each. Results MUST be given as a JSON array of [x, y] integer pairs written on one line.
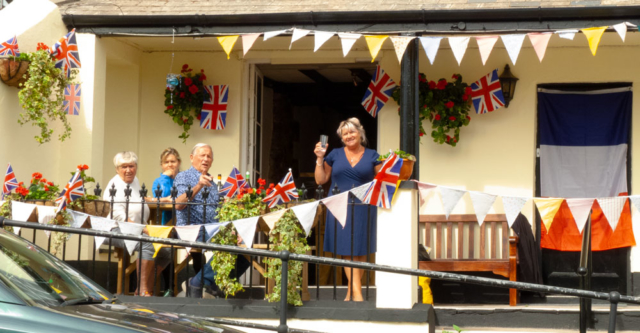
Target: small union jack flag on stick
[[10, 47], [66, 53], [486, 93], [10, 181], [234, 183], [72, 191], [71, 102], [383, 187], [378, 93], [285, 191], [214, 107]]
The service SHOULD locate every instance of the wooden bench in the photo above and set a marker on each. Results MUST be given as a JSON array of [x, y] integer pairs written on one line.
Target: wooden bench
[[442, 251]]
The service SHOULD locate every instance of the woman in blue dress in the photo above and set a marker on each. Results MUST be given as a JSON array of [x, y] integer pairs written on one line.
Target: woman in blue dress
[[170, 163], [348, 167]]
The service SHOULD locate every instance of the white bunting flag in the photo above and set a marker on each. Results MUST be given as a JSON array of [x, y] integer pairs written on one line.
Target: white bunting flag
[[513, 44], [212, 229], [540, 41], [21, 211], [134, 229], [580, 209], [337, 205], [271, 34], [347, 41], [45, 215], [459, 47], [297, 34], [567, 34], [621, 29], [247, 42], [273, 217], [482, 203], [101, 224], [246, 229], [321, 37], [485, 46], [635, 199], [78, 218], [360, 191], [400, 45], [431, 46], [612, 208], [512, 207], [189, 233], [450, 198], [306, 215]]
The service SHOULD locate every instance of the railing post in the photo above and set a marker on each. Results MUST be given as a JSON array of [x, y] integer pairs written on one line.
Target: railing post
[[284, 281], [614, 298], [112, 195], [205, 196], [158, 193]]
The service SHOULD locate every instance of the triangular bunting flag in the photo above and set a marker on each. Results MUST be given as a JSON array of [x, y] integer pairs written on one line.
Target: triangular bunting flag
[[45, 215], [347, 41], [212, 229], [593, 37], [621, 29], [158, 231], [227, 43], [189, 233], [612, 208], [361, 191], [271, 34], [134, 229], [482, 203], [485, 45], [78, 218], [424, 189], [306, 215], [635, 199], [512, 207], [580, 209], [273, 217], [459, 47], [21, 211], [101, 224], [400, 45], [320, 38], [513, 44], [246, 229], [450, 198], [337, 205], [431, 46], [548, 207], [567, 34], [297, 34], [247, 42], [375, 43], [540, 41]]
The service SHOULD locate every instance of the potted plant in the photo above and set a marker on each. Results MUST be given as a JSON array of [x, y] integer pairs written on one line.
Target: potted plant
[[14, 70], [408, 161], [183, 98]]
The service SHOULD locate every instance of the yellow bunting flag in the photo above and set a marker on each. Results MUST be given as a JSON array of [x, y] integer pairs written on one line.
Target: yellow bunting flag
[[375, 43], [227, 43], [593, 36], [548, 207], [159, 232]]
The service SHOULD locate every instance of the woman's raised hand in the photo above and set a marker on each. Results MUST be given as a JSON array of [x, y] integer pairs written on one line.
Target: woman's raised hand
[[319, 151]]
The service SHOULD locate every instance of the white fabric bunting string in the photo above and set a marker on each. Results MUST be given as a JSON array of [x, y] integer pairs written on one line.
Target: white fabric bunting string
[[45, 215], [612, 208], [320, 38], [212, 229], [271, 34], [482, 203], [540, 41], [273, 217], [21, 211], [247, 42], [297, 34], [621, 28], [485, 46], [431, 46], [400, 45], [134, 229], [580, 209], [360, 191], [246, 229], [635, 200], [189, 233], [347, 41], [512, 207], [78, 218], [337, 205], [101, 224], [424, 189], [513, 44], [450, 198], [459, 47], [567, 34], [306, 215]]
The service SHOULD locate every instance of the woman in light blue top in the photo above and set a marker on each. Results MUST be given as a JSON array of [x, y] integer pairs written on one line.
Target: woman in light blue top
[[170, 163]]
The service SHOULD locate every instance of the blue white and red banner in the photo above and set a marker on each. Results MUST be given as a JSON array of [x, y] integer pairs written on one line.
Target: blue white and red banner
[[10, 47], [379, 92], [285, 191], [233, 184], [486, 93], [72, 98], [66, 53], [383, 187], [214, 107], [10, 182]]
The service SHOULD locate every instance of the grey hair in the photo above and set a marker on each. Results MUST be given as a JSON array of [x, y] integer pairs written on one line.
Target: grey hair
[[124, 157], [355, 124], [200, 145]]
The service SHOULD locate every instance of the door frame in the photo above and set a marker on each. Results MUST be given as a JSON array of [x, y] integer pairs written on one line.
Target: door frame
[[247, 132]]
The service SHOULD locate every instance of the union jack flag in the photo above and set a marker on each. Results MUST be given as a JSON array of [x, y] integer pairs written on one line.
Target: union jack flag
[[486, 93], [72, 191], [378, 93], [10, 181], [383, 187], [214, 107], [283, 192], [66, 53], [10, 47], [71, 102], [234, 183]]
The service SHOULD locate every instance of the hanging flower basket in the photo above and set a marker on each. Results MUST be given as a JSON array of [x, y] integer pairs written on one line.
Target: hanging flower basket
[[14, 72]]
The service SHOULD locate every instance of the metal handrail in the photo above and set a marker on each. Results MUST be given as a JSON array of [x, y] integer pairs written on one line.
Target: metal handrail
[[613, 297]]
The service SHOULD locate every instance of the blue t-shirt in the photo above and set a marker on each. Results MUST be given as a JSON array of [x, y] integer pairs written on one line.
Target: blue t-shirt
[[191, 177], [166, 183]]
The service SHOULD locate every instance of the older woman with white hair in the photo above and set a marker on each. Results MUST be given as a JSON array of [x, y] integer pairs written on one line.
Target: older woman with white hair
[[126, 164]]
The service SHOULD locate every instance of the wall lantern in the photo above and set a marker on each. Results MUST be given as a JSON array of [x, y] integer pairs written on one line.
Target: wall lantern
[[508, 83]]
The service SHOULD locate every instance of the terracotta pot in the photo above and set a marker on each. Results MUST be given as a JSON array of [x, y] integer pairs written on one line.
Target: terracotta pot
[[407, 169], [13, 73]]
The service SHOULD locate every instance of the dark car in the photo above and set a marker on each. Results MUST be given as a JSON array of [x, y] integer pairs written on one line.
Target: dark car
[[41, 293]]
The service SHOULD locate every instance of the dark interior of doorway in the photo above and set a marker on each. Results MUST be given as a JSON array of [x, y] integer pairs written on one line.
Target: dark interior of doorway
[[303, 102], [612, 268]]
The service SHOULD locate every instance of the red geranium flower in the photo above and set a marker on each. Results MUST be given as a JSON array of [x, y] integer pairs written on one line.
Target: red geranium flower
[[421, 134], [449, 104], [452, 118], [468, 90], [36, 175], [188, 81], [85, 167], [169, 107], [437, 117], [42, 46], [422, 78], [43, 180], [455, 76], [468, 118], [432, 85], [182, 94], [50, 183], [202, 77], [46, 188], [442, 84], [20, 183], [448, 138], [198, 117], [261, 181], [185, 120], [193, 89], [250, 191], [465, 97]]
